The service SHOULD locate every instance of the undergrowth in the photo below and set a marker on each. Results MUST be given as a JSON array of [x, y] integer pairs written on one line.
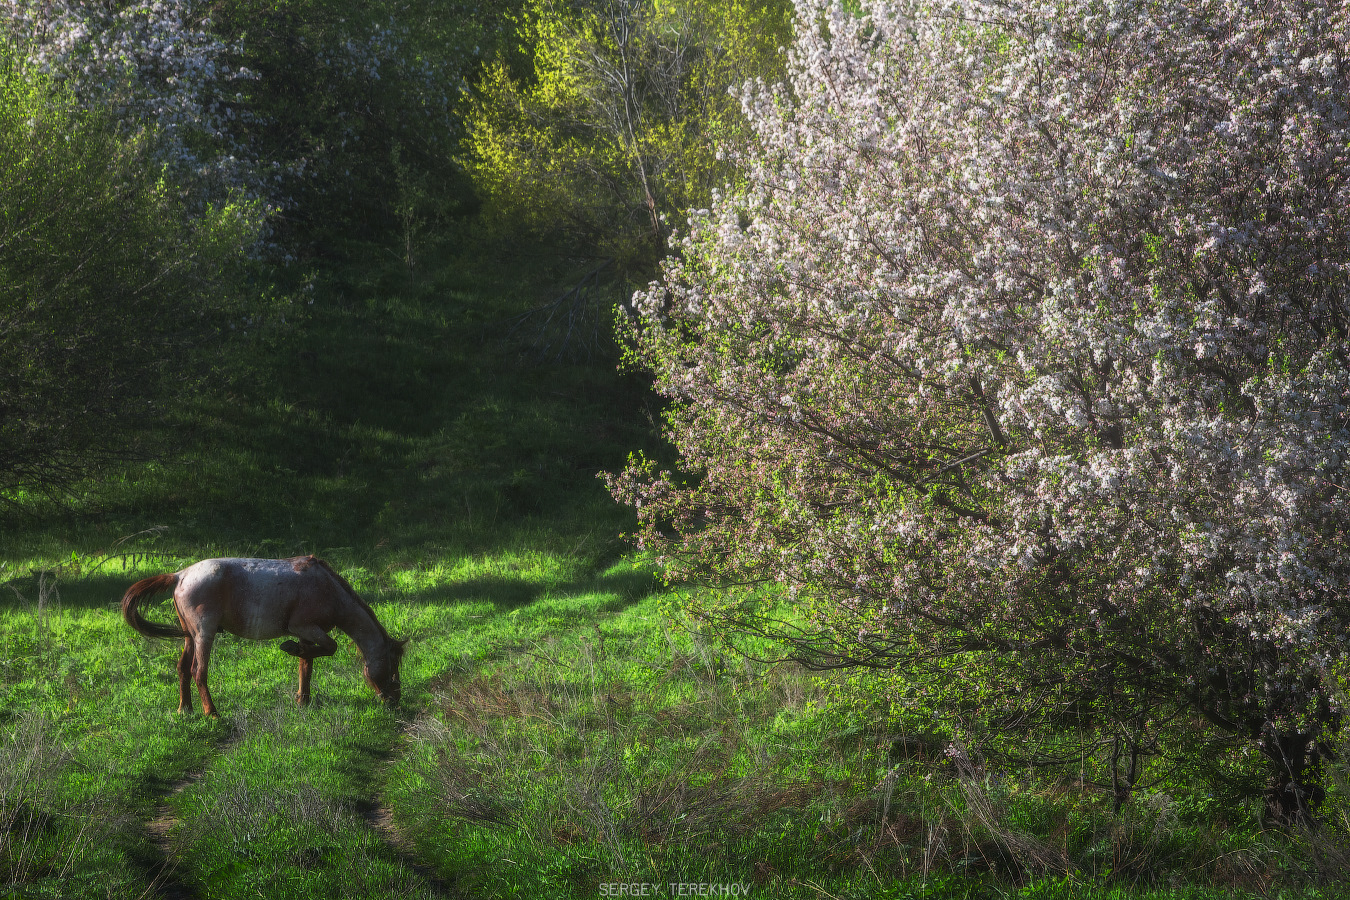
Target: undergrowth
[[565, 728]]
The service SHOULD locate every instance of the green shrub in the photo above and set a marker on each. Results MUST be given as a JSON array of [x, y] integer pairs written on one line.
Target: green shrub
[[109, 292], [605, 116], [354, 105]]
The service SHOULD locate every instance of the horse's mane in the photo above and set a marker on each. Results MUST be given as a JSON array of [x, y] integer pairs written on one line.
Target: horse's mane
[[305, 561]]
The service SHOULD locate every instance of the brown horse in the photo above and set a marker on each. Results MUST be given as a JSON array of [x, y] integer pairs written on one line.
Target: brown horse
[[262, 599]]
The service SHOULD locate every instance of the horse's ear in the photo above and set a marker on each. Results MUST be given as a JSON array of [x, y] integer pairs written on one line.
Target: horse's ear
[[403, 643]]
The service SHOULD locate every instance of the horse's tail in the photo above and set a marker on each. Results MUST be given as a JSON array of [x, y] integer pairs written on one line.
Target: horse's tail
[[137, 594]]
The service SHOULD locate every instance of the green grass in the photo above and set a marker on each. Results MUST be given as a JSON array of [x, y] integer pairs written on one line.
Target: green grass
[[564, 728]]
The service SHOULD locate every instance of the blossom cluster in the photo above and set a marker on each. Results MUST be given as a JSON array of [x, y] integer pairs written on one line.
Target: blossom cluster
[[1030, 328], [149, 65]]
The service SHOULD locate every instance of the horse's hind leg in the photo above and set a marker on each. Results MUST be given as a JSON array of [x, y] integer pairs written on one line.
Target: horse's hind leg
[[200, 663], [184, 674]]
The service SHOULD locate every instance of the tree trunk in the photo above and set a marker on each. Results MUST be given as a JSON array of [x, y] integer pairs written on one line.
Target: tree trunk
[[1295, 791]]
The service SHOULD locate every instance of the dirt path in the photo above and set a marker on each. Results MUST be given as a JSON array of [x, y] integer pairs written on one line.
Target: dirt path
[[380, 818], [163, 870], [164, 880]]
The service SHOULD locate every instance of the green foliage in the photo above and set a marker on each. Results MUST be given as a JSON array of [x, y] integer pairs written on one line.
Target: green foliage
[[110, 293], [350, 99], [608, 115]]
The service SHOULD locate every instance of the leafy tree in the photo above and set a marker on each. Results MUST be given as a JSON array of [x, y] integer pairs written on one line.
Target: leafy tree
[[296, 103], [1025, 351], [604, 121], [110, 293], [355, 103]]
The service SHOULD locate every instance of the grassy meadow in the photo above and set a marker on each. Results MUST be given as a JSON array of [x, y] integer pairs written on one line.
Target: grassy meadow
[[564, 727]]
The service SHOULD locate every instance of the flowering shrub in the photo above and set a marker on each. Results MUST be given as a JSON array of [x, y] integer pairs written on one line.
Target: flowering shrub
[[1025, 342], [151, 66]]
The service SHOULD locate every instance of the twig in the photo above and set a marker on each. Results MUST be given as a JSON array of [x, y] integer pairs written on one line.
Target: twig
[[577, 319]]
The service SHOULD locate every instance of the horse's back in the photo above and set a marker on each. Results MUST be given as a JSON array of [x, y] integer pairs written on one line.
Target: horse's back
[[254, 598], [257, 575]]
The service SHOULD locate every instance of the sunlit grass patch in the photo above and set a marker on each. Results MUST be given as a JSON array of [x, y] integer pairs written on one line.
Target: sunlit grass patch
[[283, 809], [85, 752], [607, 748]]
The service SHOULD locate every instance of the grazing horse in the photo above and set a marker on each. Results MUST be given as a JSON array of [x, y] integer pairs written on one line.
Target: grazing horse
[[262, 599]]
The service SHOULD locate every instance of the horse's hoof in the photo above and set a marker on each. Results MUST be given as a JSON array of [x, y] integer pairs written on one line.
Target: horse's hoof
[[291, 647]]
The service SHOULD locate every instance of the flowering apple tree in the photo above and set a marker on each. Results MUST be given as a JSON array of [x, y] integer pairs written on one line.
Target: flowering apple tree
[[1025, 342], [150, 65]]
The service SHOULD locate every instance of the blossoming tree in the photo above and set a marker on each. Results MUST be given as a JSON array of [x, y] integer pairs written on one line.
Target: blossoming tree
[[149, 65], [1025, 344]]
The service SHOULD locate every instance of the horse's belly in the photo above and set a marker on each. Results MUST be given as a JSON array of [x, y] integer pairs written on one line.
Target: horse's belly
[[256, 625], [254, 632]]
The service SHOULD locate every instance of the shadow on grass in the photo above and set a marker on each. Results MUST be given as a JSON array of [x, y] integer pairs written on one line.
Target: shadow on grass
[[628, 585], [101, 591], [505, 594], [631, 585]]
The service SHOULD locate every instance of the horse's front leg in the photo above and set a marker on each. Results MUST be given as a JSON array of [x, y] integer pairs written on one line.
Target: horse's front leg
[[314, 641], [306, 669]]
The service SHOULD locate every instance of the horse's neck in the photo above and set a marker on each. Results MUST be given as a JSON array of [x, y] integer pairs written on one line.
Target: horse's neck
[[365, 632]]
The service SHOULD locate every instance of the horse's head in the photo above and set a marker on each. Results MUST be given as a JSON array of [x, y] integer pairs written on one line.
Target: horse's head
[[382, 674]]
